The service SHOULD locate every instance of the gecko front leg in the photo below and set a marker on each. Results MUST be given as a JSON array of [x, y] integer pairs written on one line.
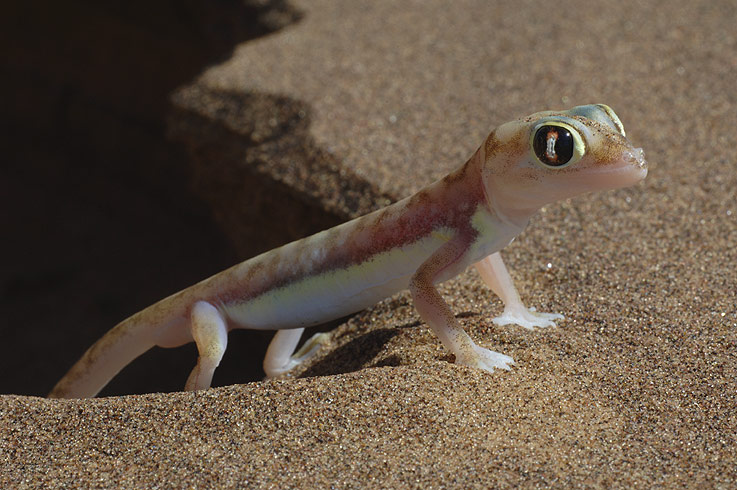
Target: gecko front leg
[[438, 315], [496, 276]]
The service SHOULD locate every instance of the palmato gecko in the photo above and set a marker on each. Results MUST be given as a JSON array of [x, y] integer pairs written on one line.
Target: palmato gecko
[[465, 218]]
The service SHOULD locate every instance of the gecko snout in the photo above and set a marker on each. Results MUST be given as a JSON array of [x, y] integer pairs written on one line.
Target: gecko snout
[[636, 157]]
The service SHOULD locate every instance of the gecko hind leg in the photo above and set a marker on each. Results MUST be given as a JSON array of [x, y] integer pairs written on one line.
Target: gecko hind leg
[[211, 336], [281, 356]]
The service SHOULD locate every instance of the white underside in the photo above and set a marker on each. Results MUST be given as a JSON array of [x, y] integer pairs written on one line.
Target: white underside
[[337, 293], [333, 294]]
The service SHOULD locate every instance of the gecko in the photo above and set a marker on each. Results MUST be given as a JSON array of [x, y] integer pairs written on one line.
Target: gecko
[[463, 219]]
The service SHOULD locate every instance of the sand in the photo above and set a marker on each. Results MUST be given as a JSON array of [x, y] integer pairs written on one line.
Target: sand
[[634, 389]]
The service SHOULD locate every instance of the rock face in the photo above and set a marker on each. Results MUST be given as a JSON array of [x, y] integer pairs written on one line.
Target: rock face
[[356, 104]]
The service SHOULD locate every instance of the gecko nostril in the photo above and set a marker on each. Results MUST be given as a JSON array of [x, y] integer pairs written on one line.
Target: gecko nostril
[[637, 157], [641, 158]]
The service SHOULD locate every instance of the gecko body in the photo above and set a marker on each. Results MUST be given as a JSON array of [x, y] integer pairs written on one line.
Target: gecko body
[[463, 219]]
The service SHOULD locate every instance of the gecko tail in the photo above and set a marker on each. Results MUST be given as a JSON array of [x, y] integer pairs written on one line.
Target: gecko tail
[[105, 358]]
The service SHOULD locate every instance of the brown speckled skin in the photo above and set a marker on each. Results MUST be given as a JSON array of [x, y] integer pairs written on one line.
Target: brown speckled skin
[[448, 203], [502, 181]]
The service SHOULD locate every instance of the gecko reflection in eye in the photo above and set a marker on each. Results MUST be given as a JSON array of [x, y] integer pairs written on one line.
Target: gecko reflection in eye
[[556, 145]]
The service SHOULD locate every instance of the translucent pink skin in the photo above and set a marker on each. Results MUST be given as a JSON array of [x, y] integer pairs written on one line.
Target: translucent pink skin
[[463, 219]]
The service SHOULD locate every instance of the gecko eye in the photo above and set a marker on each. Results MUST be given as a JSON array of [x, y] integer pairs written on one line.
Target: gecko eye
[[556, 145]]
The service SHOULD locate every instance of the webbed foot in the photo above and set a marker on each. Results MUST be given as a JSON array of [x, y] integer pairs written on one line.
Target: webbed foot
[[485, 359], [527, 318]]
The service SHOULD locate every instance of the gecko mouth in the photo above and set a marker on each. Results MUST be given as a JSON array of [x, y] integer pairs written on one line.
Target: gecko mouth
[[629, 169], [631, 166]]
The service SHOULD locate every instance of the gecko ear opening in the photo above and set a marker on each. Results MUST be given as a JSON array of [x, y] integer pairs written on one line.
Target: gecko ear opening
[[556, 145]]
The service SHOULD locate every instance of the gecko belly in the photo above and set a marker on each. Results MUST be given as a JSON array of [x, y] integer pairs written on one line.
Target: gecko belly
[[334, 293]]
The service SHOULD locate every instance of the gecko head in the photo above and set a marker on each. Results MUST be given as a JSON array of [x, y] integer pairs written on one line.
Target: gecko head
[[554, 155]]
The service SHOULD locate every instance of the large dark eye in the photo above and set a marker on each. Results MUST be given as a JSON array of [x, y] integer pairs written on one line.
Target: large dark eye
[[553, 145]]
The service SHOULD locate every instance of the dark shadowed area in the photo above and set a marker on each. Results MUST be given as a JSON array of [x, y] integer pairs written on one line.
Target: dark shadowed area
[[99, 214]]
